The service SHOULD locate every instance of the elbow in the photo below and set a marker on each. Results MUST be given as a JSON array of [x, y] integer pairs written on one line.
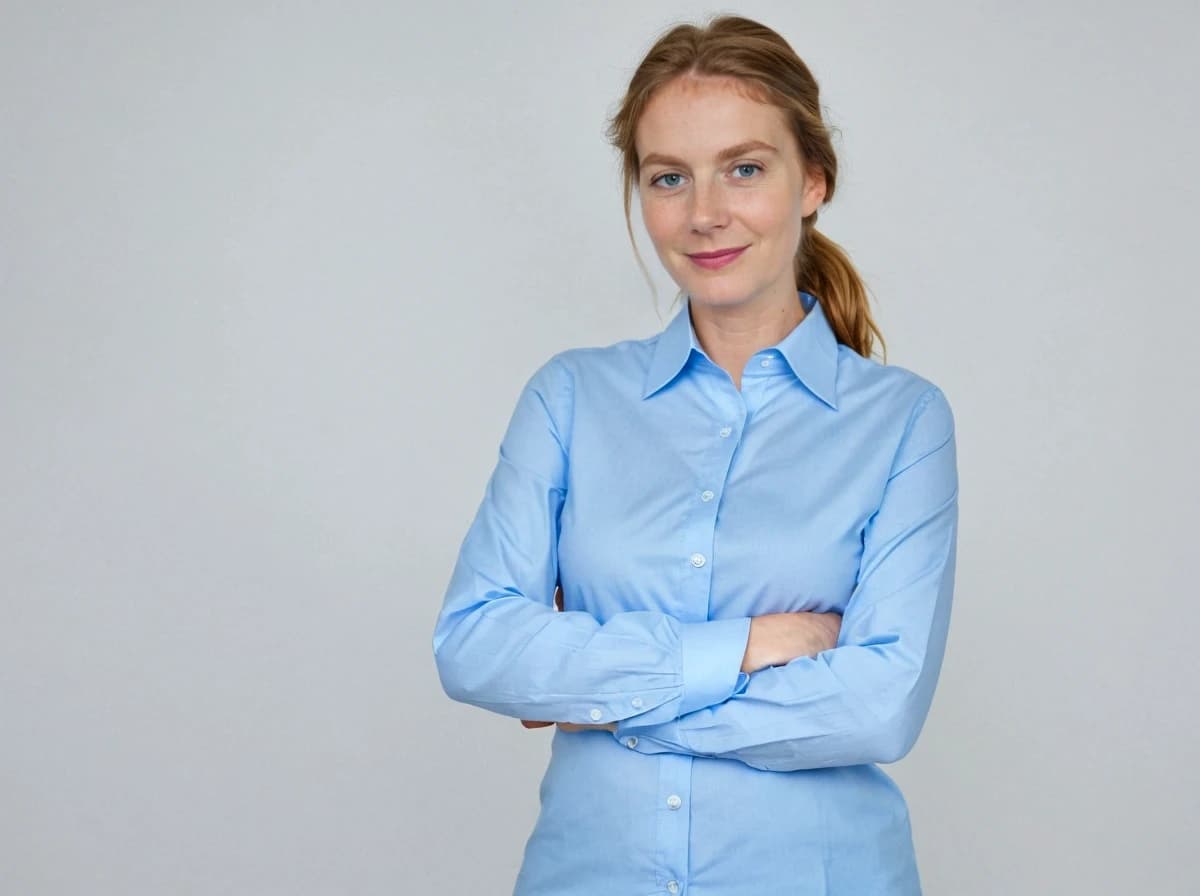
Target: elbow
[[452, 684], [460, 685], [893, 737], [469, 671], [450, 670], [461, 681], [890, 745], [895, 721]]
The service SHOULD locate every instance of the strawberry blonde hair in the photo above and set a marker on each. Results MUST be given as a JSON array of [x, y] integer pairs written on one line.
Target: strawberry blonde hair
[[769, 71]]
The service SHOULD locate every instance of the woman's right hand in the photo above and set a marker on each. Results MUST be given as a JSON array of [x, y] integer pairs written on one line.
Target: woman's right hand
[[778, 638]]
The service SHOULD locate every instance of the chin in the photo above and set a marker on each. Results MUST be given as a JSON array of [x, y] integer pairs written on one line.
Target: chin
[[714, 293]]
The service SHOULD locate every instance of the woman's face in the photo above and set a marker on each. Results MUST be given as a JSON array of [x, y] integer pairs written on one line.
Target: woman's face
[[704, 187]]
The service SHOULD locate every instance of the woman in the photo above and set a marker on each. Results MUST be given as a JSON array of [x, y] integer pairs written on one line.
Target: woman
[[752, 523]]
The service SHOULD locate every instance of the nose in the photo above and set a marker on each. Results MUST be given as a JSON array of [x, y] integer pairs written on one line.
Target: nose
[[709, 208]]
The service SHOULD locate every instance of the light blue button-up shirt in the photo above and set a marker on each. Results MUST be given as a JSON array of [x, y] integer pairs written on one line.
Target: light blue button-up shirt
[[672, 508]]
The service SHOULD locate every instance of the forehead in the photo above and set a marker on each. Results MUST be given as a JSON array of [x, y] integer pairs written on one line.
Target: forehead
[[695, 118]]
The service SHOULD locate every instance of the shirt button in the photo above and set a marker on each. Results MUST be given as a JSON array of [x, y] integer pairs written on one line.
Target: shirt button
[[595, 714], [631, 742], [725, 431], [674, 801], [697, 560], [766, 362], [706, 495], [637, 702], [672, 886]]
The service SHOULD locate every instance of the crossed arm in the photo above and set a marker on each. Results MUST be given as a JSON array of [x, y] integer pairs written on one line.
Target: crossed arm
[[772, 642]]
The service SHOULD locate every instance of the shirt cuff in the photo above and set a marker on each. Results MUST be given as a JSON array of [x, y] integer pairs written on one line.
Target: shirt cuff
[[712, 661]]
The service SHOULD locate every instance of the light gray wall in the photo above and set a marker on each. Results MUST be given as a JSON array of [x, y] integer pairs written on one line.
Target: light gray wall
[[271, 276]]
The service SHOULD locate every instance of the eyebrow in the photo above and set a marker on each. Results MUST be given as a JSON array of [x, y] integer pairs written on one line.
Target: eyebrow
[[724, 155]]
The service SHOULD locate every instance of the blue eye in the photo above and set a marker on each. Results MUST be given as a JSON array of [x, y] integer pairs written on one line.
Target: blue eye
[[661, 176], [655, 180]]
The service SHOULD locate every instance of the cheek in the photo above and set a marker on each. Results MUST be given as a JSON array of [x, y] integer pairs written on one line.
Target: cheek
[[772, 215], [660, 221], [779, 229]]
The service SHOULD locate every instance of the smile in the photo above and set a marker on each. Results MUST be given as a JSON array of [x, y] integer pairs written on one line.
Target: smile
[[713, 260]]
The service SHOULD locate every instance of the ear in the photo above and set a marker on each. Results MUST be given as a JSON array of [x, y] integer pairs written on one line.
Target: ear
[[814, 190]]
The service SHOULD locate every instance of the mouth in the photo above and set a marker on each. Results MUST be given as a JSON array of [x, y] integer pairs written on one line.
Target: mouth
[[717, 258]]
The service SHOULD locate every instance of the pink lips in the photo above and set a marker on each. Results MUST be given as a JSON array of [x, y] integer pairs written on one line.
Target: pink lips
[[714, 260]]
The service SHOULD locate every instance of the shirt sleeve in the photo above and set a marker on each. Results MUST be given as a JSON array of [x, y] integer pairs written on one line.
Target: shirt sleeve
[[866, 699], [499, 642]]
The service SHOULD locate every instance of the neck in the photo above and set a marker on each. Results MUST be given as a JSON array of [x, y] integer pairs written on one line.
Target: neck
[[730, 335]]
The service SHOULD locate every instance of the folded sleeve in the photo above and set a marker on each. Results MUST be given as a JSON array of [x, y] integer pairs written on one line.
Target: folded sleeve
[[500, 643], [866, 699]]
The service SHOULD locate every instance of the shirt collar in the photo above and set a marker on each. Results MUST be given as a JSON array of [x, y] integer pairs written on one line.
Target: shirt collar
[[810, 349]]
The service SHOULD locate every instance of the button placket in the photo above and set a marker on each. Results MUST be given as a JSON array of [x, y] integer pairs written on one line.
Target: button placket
[[675, 778], [720, 471], [675, 769]]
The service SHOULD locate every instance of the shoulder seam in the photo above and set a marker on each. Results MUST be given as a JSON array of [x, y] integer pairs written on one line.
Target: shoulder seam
[[919, 406]]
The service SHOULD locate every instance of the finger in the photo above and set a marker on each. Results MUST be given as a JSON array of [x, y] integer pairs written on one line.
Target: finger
[[531, 724]]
